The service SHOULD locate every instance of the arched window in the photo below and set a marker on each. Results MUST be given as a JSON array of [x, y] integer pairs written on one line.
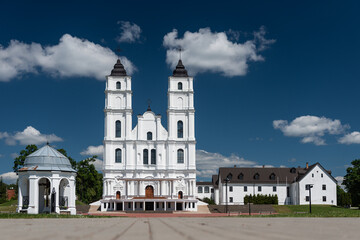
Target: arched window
[[146, 156], [206, 189], [272, 176], [153, 156], [180, 156], [241, 176], [118, 155], [149, 136], [117, 129], [179, 85], [256, 176], [180, 129], [118, 85]]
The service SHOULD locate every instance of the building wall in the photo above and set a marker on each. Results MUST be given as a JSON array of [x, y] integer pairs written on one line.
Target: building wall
[[318, 177], [203, 194]]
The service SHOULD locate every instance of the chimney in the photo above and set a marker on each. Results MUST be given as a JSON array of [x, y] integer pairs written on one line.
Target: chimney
[[234, 166], [307, 165], [263, 166]]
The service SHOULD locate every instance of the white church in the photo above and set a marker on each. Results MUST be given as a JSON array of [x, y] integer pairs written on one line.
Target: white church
[[149, 167]]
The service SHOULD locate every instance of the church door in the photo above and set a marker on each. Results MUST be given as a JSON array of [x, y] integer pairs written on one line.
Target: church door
[[149, 192], [118, 195], [180, 195]]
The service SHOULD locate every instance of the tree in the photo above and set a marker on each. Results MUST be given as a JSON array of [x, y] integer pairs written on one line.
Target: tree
[[343, 198], [72, 161], [352, 181], [88, 181], [19, 161], [2, 191]]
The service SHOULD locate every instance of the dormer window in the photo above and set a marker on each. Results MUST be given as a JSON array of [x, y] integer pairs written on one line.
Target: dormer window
[[149, 136], [241, 176], [256, 176], [293, 170], [118, 85], [229, 176], [272, 176], [180, 86]]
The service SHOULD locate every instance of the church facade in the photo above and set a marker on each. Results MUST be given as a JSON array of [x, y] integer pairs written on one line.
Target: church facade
[[149, 167]]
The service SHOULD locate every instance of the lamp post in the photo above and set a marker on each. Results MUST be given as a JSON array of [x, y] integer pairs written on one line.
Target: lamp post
[[310, 186], [226, 193]]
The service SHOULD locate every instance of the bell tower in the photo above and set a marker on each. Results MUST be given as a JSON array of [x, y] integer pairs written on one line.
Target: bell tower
[[181, 117], [118, 116]]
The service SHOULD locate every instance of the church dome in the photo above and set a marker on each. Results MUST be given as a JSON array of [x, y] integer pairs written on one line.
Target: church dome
[[180, 70], [47, 159], [118, 69]]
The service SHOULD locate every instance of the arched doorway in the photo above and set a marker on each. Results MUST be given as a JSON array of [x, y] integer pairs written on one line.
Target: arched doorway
[[180, 195], [44, 195], [64, 193], [118, 195], [149, 192]]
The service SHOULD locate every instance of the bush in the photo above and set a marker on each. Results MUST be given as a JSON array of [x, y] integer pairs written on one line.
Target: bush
[[261, 199], [209, 201]]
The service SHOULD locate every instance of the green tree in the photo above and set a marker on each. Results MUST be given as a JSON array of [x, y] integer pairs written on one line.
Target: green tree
[[72, 161], [88, 181], [2, 191], [19, 161], [352, 181], [343, 198]]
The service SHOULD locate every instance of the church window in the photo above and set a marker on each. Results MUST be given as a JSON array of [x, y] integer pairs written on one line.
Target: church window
[[118, 85], [149, 136], [118, 155], [153, 156], [256, 176], [272, 176], [146, 156], [241, 176], [180, 86], [118, 129], [200, 189], [180, 129], [206, 189], [180, 156]]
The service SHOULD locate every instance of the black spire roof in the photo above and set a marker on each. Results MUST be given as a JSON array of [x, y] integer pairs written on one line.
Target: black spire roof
[[180, 70], [118, 70]]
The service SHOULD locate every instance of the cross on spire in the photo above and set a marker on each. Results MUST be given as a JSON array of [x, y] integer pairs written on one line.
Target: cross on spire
[[180, 49], [118, 50], [149, 102]]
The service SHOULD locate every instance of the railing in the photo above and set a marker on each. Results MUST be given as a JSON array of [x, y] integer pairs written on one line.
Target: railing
[[25, 204]]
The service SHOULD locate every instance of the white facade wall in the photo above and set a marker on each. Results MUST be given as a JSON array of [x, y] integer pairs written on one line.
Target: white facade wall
[[318, 177], [204, 193]]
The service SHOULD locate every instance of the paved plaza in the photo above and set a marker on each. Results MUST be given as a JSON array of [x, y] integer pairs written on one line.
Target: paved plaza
[[181, 228]]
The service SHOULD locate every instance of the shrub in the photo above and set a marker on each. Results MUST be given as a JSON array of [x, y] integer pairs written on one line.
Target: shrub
[[261, 199]]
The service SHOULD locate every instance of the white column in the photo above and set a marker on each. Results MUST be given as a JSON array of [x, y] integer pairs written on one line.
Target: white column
[[33, 195], [165, 203], [55, 183]]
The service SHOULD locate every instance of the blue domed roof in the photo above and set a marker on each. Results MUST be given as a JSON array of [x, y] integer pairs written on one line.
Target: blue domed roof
[[47, 159]]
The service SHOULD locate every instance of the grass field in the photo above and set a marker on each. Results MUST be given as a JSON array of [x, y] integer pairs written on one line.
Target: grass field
[[317, 211]]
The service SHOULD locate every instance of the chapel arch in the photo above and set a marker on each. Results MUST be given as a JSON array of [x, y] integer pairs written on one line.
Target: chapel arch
[[149, 191], [64, 193], [44, 195]]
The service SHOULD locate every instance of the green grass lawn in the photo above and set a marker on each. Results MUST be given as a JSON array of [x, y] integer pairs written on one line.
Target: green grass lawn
[[9, 206], [317, 211]]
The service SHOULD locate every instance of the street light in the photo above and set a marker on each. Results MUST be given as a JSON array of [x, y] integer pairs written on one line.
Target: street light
[[310, 186], [226, 192]]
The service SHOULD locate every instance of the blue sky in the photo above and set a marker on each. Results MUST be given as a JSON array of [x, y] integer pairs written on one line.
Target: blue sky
[[276, 82]]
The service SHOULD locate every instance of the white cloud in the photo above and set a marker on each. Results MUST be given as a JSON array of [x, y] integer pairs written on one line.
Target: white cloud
[[207, 51], [350, 138], [14, 155], [264, 166], [93, 150], [310, 128], [9, 177], [208, 163], [71, 57], [130, 32], [30, 135]]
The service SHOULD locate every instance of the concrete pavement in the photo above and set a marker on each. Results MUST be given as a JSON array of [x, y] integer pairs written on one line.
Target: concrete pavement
[[181, 228]]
